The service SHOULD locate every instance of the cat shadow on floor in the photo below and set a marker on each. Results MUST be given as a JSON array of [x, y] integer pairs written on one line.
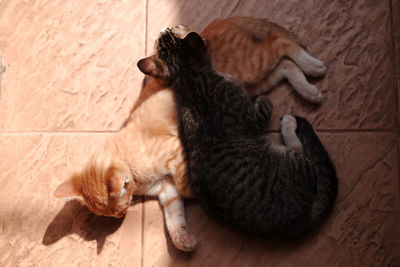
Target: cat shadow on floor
[[74, 218]]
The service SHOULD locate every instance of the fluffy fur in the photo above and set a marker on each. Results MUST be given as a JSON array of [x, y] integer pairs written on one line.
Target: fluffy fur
[[146, 156], [239, 176], [256, 51], [143, 158]]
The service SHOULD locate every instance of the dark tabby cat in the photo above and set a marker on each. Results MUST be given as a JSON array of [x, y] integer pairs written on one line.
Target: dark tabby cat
[[236, 172]]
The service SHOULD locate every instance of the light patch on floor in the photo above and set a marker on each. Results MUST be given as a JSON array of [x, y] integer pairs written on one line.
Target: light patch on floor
[[2, 70]]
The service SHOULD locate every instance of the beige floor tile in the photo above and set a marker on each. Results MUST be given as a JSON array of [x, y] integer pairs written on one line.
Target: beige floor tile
[[352, 38], [38, 230], [69, 66], [362, 231]]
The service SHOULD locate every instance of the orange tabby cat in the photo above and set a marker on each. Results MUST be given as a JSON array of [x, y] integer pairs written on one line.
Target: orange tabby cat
[[143, 158], [253, 51], [146, 158]]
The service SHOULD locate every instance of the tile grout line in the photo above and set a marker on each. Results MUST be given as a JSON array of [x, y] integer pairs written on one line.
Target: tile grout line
[[142, 235], [146, 27], [58, 133], [398, 165], [377, 130], [396, 79], [394, 63], [395, 130], [143, 209], [11, 133]]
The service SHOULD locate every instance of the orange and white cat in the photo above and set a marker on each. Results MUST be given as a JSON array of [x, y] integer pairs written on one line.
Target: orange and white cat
[[146, 156], [253, 51], [143, 158]]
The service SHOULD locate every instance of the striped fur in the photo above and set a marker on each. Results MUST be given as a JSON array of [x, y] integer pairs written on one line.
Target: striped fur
[[148, 147], [239, 176], [251, 52]]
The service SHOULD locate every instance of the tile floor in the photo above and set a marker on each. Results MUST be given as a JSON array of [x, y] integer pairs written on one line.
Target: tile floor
[[70, 80]]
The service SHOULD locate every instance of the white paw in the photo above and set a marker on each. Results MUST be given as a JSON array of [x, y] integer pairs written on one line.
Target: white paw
[[313, 95], [183, 240], [288, 125], [310, 65], [288, 130], [316, 68]]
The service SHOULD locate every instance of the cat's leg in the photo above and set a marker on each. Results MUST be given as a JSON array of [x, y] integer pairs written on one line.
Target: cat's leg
[[174, 213], [179, 175], [286, 69], [307, 63], [264, 110], [288, 130]]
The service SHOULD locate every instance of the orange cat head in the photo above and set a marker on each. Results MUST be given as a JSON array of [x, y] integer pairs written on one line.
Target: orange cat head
[[184, 43], [105, 186]]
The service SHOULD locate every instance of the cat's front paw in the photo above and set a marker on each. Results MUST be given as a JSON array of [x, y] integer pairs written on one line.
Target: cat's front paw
[[264, 109], [313, 95], [263, 104], [184, 241], [288, 130], [288, 125]]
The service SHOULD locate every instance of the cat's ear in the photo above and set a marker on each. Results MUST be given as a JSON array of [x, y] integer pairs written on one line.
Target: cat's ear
[[150, 66], [196, 46], [70, 189], [118, 185]]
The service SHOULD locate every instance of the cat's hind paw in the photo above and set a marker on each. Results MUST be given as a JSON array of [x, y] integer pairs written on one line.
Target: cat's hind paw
[[310, 65], [316, 68], [264, 110], [313, 95]]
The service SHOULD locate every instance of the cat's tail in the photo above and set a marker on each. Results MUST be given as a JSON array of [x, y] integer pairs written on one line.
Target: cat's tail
[[327, 183]]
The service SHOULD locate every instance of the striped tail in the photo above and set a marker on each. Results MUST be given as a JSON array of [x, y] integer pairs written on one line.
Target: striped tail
[[327, 184]]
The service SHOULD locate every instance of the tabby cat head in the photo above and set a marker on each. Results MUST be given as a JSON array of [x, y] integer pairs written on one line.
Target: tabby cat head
[[105, 186], [176, 48]]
